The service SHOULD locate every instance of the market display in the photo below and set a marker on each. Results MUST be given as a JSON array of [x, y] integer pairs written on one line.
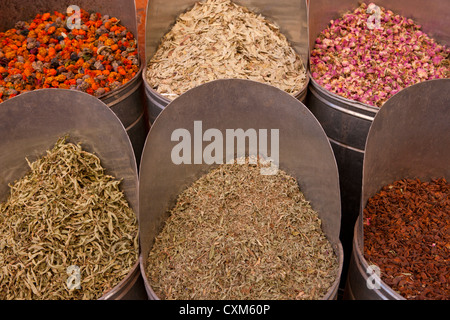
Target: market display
[[66, 229], [219, 39], [407, 235], [237, 234], [98, 57], [368, 65]]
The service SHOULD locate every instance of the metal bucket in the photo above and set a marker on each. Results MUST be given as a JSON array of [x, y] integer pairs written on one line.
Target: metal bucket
[[347, 122], [289, 15], [305, 153], [127, 102], [32, 122], [409, 138]]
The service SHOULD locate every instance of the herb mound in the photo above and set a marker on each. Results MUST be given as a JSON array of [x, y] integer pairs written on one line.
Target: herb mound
[[406, 234], [218, 39], [237, 234], [371, 65], [65, 214]]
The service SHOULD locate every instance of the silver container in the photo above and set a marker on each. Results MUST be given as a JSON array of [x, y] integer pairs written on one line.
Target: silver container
[[32, 122], [304, 152], [127, 102], [289, 15], [347, 122], [409, 138]]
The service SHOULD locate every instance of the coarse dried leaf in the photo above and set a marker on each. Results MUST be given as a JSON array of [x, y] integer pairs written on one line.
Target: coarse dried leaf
[[237, 234], [65, 212], [218, 39]]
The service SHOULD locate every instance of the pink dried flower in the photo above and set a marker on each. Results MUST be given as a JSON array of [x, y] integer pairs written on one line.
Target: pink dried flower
[[422, 73], [350, 59]]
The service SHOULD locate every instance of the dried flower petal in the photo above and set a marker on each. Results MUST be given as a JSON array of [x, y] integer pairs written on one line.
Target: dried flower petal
[[408, 237], [42, 53], [396, 55]]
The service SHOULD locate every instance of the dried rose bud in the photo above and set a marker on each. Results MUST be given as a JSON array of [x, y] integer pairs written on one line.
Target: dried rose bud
[[349, 58]]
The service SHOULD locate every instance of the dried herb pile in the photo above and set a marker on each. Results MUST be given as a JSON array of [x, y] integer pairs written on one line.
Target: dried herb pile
[[237, 234], [44, 52], [65, 212], [407, 235], [218, 39]]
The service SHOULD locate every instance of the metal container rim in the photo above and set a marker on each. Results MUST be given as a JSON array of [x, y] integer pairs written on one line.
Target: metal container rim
[[118, 288], [167, 101], [129, 83], [135, 78], [336, 97]]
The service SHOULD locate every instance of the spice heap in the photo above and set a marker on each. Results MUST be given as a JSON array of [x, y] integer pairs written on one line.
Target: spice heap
[[371, 65], [98, 57], [237, 234], [407, 235], [66, 214], [218, 39]]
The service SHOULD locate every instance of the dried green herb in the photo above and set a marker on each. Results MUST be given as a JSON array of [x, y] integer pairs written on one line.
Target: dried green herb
[[237, 234], [65, 212]]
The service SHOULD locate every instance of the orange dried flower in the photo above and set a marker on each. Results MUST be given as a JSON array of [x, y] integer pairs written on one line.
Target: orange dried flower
[[48, 55]]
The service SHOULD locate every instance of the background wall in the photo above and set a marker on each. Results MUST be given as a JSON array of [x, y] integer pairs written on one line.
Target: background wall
[[141, 8]]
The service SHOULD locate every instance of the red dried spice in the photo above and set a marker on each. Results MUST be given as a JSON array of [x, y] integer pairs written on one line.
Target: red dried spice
[[407, 235]]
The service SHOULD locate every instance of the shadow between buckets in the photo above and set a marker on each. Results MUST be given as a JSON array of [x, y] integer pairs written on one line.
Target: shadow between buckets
[[304, 152], [409, 138], [32, 122]]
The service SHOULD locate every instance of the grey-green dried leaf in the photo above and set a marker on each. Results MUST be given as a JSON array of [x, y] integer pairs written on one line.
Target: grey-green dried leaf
[[51, 220], [219, 39]]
